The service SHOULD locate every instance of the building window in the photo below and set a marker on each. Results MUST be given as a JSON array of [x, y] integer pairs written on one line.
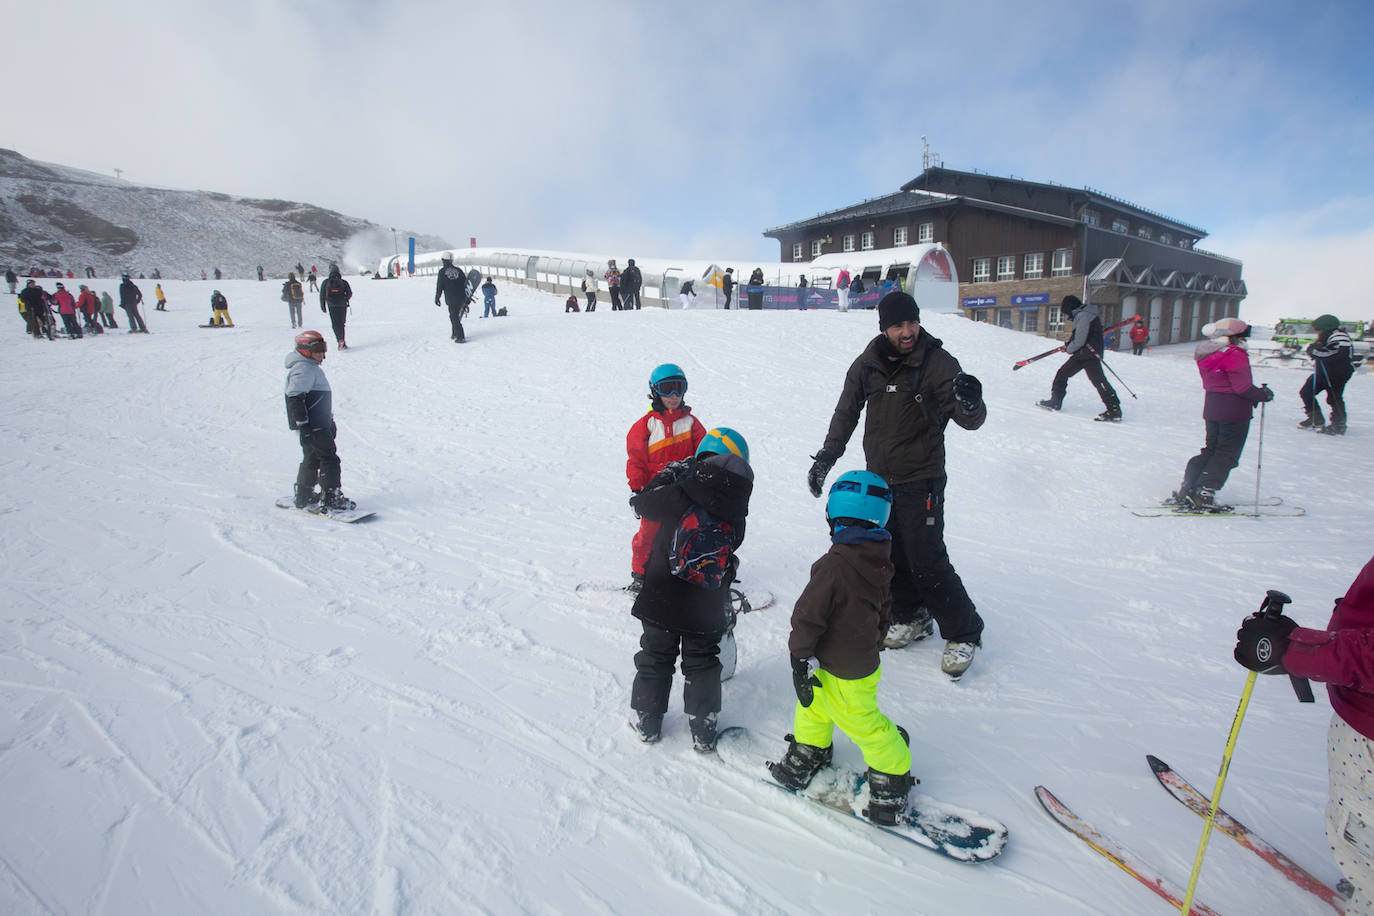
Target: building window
[[1006, 267], [1165, 238], [1062, 265], [1030, 321], [1090, 217], [980, 315], [1119, 225], [849, 242], [1144, 232], [925, 232], [796, 251], [982, 270], [1035, 266], [899, 236], [867, 241], [1055, 321], [816, 248]]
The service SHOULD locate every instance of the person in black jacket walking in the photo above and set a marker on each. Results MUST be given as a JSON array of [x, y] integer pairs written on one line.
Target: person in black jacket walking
[[1085, 349], [335, 293], [129, 298], [452, 285]]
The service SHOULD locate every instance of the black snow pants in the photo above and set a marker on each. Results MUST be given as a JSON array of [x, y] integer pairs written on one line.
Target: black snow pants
[[319, 459], [1219, 456], [1083, 361], [338, 317], [923, 573], [658, 652], [455, 320]]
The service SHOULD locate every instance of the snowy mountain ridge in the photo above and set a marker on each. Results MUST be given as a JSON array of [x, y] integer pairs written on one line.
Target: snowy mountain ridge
[[54, 216]]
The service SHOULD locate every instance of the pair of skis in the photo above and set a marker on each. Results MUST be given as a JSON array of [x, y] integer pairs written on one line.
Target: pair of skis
[[1154, 879], [1272, 506], [1060, 349]]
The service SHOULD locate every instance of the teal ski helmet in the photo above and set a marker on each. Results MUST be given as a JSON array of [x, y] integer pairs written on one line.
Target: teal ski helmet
[[667, 379], [862, 495], [724, 441]]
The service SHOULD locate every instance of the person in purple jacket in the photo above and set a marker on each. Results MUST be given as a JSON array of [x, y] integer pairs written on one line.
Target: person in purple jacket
[[1230, 402], [1342, 657]]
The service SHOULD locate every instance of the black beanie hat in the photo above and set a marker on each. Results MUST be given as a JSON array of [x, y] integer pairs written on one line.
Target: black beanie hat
[[1070, 304], [895, 308]]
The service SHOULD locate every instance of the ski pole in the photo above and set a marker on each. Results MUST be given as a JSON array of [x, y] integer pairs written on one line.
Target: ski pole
[[1259, 455], [1117, 377], [1272, 606]]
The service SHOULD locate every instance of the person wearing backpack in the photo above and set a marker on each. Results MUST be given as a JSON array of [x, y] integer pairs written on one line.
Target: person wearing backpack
[[219, 311], [666, 433], [589, 287], [336, 293], [293, 294], [683, 605], [838, 625]]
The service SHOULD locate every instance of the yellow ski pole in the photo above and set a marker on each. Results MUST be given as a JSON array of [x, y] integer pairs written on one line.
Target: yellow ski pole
[[1216, 792]]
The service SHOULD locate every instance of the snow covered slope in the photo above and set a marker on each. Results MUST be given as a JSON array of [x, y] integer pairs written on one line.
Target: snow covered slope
[[212, 705], [57, 216]]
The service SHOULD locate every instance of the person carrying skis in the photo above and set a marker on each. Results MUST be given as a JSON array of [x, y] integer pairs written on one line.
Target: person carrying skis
[[683, 606], [293, 294], [1230, 402], [129, 298], [838, 625], [1140, 336], [219, 311], [335, 293], [666, 433], [452, 285], [910, 388], [1085, 355], [1331, 353], [1342, 657], [489, 298], [309, 411]]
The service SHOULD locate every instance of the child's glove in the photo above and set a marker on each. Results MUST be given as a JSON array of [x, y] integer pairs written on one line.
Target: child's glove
[[804, 679], [1262, 641]]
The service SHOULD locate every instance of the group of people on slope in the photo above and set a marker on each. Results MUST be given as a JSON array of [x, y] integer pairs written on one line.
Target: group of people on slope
[[36, 307], [625, 287], [886, 581]]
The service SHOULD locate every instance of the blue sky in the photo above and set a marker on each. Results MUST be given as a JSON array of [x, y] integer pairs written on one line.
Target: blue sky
[[617, 125]]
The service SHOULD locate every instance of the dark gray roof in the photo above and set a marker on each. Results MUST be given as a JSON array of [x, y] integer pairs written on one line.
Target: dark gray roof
[[877, 206]]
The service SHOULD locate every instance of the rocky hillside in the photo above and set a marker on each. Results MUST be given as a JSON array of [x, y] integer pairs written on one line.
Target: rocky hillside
[[52, 216]]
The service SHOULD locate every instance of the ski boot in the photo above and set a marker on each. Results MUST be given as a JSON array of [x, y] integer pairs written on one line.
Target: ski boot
[[636, 583], [800, 765], [956, 658], [900, 635], [648, 726], [334, 500], [703, 733], [1337, 425], [307, 499], [1314, 420], [1049, 405], [1201, 499], [1110, 415], [887, 797]]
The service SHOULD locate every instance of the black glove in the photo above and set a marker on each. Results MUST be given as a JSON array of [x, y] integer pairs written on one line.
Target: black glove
[[436, 302], [322, 309], [804, 679], [815, 478], [672, 472], [968, 391], [634, 495], [1262, 641]]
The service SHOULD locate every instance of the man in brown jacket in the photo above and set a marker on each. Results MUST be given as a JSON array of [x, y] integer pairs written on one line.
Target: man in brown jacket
[[911, 387]]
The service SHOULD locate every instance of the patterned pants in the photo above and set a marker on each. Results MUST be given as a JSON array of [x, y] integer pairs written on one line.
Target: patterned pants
[[1350, 810]]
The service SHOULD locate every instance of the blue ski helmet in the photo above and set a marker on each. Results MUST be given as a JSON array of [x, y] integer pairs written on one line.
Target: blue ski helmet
[[862, 495], [724, 441], [667, 379]]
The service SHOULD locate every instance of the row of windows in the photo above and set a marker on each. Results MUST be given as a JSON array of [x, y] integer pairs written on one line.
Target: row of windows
[[1029, 318], [1032, 266], [925, 232], [1119, 224]]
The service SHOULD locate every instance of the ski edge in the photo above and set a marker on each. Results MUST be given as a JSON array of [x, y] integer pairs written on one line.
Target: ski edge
[[1115, 853], [1237, 511], [1195, 801]]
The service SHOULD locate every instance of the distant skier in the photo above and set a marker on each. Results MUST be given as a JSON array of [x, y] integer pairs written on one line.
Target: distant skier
[[612, 278], [838, 624], [107, 310], [569, 304], [314, 282], [1085, 348], [451, 285], [310, 411], [32, 305], [1140, 336], [667, 432], [218, 275], [66, 307], [293, 294], [129, 298], [489, 299], [219, 311], [1229, 404], [336, 294], [161, 298], [89, 306], [681, 617], [1331, 354], [686, 294], [260, 274], [11, 278], [727, 285], [631, 282], [589, 287]]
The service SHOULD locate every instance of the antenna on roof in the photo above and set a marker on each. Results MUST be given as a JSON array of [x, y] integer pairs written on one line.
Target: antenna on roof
[[118, 172], [929, 159]]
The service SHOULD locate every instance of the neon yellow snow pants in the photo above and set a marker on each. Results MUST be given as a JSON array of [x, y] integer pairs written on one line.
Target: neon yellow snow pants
[[853, 706]]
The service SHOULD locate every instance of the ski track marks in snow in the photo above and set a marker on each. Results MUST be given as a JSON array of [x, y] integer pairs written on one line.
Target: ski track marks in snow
[[217, 706]]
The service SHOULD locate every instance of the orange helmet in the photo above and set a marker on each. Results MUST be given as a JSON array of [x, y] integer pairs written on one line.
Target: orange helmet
[[309, 343]]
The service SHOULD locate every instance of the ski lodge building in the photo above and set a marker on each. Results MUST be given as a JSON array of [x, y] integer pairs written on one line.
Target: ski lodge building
[[1020, 246]]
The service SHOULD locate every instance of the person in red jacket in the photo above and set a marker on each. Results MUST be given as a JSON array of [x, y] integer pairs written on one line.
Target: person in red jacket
[[1140, 336], [1342, 657], [90, 309], [666, 433], [66, 307]]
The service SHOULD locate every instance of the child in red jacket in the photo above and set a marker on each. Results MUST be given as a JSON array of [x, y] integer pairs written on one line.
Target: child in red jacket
[[666, 433]]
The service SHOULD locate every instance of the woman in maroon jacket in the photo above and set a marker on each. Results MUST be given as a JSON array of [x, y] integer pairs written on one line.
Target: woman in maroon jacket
[[1342, 657]]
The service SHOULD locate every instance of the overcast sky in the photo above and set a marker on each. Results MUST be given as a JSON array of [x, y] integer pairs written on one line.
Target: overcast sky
[[619, 126]]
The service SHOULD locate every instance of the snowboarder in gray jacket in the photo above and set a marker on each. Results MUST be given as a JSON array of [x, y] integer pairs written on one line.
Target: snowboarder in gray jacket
[[309, 410]]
